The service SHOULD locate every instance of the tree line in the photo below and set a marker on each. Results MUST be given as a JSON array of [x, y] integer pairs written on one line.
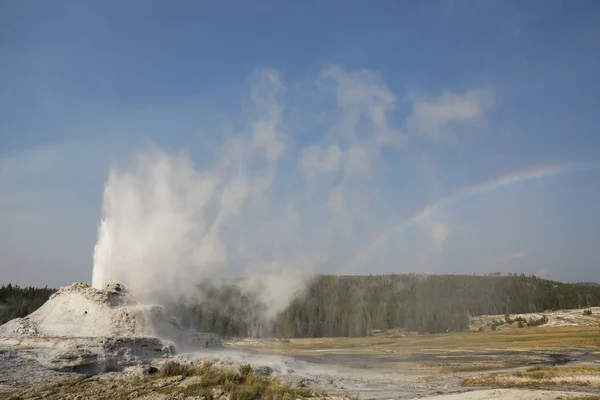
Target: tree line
[[338, 306], [18, 302]]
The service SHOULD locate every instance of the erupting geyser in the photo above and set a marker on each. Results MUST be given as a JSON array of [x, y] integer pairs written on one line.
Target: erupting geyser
[[257, 203]]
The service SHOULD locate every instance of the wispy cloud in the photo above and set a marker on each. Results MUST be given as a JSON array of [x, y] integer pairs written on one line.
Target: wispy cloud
[[361, 125], [363, 94], [431, 116]]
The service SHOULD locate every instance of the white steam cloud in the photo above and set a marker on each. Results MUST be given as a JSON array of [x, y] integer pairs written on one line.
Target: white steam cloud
[[269, 204]]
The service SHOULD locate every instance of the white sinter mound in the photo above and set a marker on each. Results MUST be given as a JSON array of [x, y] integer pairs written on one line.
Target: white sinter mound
[[82, 311], [82, 329]]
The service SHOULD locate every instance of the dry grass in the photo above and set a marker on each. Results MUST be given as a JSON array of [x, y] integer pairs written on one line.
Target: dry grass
[[538, 338], [174, 381], [568, 376], [479, 367]]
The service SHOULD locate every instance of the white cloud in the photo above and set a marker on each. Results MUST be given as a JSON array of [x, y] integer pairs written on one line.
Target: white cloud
[[361, 128], [431, 116], [363, 94]]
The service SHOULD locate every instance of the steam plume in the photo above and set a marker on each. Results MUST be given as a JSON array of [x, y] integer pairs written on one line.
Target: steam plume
[[261, 206]]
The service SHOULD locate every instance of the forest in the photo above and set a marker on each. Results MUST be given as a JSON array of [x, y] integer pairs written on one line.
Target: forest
[[17, 302], [337, 306]]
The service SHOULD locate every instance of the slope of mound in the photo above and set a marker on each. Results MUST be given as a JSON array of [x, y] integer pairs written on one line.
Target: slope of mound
[[82, 311]]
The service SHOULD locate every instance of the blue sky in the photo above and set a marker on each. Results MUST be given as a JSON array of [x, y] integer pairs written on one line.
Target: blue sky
[[478, 89]]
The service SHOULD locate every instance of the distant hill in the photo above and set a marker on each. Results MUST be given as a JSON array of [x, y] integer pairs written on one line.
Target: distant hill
[[590, 283]]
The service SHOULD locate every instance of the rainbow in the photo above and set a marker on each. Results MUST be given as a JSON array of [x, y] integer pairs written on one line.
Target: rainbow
[[462, 194]]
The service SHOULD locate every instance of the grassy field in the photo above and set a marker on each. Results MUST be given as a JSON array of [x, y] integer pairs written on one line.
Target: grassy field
[[577, 376], [440, 354], [517, 339]]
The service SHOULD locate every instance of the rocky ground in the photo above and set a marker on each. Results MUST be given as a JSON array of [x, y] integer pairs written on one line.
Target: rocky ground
[[172, 381]]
